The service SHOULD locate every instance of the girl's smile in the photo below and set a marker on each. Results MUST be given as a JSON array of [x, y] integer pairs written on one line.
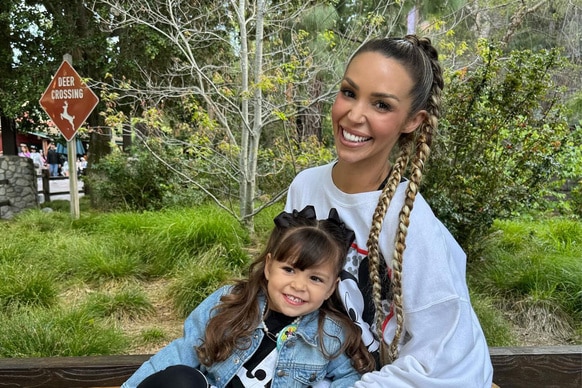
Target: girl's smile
[[296, 292]]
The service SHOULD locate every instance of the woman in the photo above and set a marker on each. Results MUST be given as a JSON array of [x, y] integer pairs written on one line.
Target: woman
[[404, 280]]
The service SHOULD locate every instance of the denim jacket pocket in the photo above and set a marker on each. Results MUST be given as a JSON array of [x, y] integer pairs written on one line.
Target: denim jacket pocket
[[308, 375]]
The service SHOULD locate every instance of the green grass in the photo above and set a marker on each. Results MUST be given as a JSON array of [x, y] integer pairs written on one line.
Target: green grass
[[26, 285], [195, 280], [497, 329], [130, 303], [68, 286], [533, 269], [91, 270], [35, 332]]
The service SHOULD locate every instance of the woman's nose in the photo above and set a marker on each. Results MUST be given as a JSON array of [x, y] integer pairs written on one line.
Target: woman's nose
[[357, 113]]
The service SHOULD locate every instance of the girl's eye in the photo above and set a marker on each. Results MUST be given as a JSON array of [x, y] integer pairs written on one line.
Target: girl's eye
[[317, 279], [287, 269]]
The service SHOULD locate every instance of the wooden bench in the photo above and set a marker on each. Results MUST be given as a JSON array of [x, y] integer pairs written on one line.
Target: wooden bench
[[559, 366]]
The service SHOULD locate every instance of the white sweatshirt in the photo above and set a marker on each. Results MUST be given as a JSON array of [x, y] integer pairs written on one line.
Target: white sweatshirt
[[443, 345]]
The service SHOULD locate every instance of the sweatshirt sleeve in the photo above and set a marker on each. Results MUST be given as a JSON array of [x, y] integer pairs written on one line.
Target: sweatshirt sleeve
[[180, 351], [445, 353]]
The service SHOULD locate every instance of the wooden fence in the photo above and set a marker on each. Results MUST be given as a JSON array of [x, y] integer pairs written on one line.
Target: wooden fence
[[513, 367]]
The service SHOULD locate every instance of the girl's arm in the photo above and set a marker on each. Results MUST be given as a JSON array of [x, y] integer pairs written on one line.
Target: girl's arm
[[342, 373]]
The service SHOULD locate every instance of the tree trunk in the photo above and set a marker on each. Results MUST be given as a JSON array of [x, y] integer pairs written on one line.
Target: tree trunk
[[255, 132], [9, 146], [245, 132], [7, 124]]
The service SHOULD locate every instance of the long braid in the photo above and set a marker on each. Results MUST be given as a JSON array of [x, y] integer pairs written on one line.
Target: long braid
[[423, 142], [421, 59], [378, 218]]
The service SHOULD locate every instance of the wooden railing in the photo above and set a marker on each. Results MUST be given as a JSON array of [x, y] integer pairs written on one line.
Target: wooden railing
[[515, 367], [49, 186]]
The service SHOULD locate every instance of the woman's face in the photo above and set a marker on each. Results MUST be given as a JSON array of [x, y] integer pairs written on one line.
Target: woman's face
[[371, 109]]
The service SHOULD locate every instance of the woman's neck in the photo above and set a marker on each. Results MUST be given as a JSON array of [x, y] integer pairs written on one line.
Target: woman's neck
[[353, 179]]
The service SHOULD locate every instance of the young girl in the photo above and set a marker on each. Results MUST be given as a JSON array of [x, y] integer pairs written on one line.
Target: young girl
[[404, 281], [284, 325]]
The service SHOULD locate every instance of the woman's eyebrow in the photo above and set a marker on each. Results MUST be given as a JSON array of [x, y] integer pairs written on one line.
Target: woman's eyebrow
[[352, 83], [377, 94]]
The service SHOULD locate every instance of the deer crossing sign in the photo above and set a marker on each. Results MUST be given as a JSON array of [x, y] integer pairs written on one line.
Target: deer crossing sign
[[68, 100]]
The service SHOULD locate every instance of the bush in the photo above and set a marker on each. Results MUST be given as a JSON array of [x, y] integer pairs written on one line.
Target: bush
[[576, 199], [140, 181], [499, 143]]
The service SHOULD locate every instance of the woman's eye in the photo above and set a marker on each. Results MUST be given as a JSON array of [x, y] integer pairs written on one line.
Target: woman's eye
[[383, 106], [348, 93]]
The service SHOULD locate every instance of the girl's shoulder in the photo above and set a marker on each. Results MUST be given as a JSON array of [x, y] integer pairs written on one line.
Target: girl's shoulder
[[331, 326]]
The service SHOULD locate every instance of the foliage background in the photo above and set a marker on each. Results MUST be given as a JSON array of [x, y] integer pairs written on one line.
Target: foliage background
[[196, 90]]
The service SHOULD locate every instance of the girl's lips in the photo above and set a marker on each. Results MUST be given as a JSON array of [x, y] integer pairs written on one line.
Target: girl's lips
[[353, 138]]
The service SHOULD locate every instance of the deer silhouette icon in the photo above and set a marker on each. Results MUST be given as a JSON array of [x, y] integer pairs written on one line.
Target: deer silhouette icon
[[66, 116]]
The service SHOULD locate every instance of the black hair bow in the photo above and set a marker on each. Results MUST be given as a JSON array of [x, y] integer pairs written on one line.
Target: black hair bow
[[347, 234], [307, 216], [285, 220]]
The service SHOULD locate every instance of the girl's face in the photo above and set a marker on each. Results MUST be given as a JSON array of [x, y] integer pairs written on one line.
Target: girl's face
[[371, 110], [294, 292]]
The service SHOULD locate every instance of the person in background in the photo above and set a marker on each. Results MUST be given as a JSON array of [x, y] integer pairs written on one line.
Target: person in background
[[52, 158], [24, 152], [282, 326], [65, 168], [404, 281], [81, 165], [37, 159]]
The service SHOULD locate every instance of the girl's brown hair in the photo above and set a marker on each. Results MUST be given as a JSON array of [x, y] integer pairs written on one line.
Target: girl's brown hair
[[302, 241], [420, 59]]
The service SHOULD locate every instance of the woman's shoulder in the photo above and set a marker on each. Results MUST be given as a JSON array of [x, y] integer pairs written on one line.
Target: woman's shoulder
[[311, 172]]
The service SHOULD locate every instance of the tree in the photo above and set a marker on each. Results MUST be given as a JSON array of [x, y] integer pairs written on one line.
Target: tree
[[6, 121], [239, 69], [38, 34]]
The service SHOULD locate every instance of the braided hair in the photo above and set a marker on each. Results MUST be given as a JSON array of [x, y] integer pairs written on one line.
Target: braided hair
[[420, 59]]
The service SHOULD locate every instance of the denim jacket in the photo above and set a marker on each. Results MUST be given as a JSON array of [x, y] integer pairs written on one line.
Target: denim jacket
[[300, 363]]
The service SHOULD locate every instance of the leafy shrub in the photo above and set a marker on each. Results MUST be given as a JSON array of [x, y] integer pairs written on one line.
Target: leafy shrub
[[499, 141], [137, 182], [576, 199], [279, 163]]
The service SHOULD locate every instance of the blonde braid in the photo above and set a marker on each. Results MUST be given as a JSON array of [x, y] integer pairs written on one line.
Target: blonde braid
[[420, 59], [377, 220], [423, 141]]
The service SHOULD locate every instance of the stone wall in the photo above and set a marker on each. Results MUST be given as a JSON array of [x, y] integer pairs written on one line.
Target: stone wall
[[18, 185]]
